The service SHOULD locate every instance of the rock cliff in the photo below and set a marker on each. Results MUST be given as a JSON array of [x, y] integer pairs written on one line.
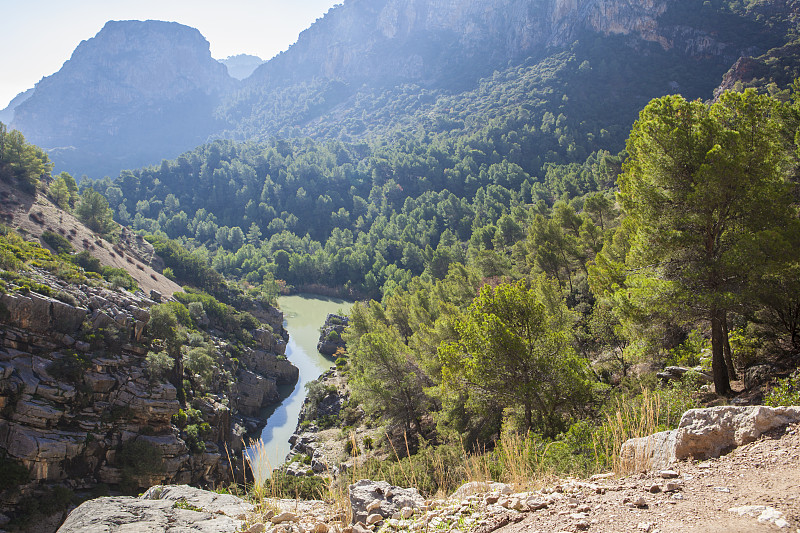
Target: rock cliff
[[81, 410], [135, 93]]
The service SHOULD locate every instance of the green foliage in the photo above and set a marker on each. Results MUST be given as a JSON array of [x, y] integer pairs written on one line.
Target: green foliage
[[785, 392], [55, 241], [514, 349], [70, 367], [26, 163], [93, 211], [689, 351], [180, 419], [282, 485], [159, 366], [704, 190], [64, 191]]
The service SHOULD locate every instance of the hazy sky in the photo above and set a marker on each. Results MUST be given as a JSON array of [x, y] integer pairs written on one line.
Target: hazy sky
[[38, 36]]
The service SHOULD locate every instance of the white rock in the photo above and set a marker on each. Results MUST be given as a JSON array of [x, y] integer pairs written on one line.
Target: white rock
[[374, 519]]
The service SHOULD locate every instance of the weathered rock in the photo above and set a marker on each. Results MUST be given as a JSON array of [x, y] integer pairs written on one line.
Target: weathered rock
[[645, 453], [365, 492], [121, 514], [704, 433], [476, 487]]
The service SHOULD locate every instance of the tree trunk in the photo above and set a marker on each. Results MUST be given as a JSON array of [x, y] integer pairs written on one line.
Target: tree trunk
[[528, 418], [722, 382], [726, 347]]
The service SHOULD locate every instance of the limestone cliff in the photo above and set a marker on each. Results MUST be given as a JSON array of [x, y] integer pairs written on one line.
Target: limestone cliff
[[135, 93], [432, 41], [82, 411]]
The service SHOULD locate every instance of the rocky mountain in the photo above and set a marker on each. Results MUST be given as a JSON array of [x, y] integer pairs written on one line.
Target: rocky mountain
[[140, 92], [133, 94], [242, 65]]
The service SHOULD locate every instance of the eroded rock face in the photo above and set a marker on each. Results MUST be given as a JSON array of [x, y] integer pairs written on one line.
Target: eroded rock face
[[78, 407], [705, 433], [160, 72]]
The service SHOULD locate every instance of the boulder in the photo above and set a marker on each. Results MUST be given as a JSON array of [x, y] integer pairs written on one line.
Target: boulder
[[119, 514], [646, 453], [704, 433], [208, 501], [365, 494]]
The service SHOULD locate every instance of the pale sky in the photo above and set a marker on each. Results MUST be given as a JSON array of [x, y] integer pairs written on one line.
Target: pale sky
[[38, 36]]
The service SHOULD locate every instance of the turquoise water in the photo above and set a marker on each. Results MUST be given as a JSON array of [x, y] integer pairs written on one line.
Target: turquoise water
[[304, 315]]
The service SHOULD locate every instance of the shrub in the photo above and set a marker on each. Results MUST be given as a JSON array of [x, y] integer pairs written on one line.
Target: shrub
[[137, 458], [70, 367], [301, 487], [159, 365], [12, 473], [786, 392], [58, 243]]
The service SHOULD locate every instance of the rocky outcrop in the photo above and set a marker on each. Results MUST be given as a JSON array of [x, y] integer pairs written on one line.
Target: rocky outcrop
[[704, 433], [371, 501], [169, 509], [79, 408], [161, 73], [330, 337]]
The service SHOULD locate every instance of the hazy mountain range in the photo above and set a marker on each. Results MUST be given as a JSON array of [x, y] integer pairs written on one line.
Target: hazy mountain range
[[139, 92]]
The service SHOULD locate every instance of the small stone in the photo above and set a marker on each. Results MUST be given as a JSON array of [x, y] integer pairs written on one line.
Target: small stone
[[374, 519], [668, 474], [677, 496], [515, 504], [645, 526], [491, 499], [672, 486], [578, 516], [389, 493], [536, 504], [722, 489], [583, 509], [284, 517], [375, 504], [257, 528], [640, 502], [406, 513], [321, 527], [581, 525], [598, 477], [654, 488]]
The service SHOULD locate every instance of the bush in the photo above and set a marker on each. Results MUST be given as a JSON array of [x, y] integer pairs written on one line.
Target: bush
[[71, 367], [12, 473], [786, 392], [58, 243], [138, 458], [159, 365]]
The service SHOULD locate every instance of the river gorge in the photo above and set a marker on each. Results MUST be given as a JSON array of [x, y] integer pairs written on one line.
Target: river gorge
[[304, 314]]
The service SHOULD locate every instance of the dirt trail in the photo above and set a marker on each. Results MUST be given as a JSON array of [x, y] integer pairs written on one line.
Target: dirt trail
[[763, 473]]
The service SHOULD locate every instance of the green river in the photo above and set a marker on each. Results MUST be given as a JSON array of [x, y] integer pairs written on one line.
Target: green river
[[303, 316]]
